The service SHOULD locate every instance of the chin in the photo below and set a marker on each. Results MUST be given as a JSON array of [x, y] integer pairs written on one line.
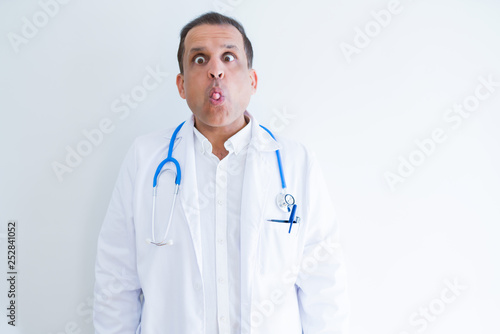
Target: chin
[[217, 119]]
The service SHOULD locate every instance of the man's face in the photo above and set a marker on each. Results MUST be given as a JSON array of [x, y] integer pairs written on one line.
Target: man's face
[[216, 83]]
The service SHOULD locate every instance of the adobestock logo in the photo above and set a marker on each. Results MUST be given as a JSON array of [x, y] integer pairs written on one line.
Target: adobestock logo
[[31, 27], [426, 147], [431, 311], [373, 28], [224, 6], [121, 108], [280, 120]]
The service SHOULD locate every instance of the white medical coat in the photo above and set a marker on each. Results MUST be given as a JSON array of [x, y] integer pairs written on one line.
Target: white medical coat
[[290, 283]]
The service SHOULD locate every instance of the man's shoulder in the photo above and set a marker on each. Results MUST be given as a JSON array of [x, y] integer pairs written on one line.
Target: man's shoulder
[[293, 150], [290, 144]]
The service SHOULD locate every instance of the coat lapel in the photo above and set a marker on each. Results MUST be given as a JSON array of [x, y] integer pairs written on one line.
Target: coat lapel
[[258, 168], [188, 191]]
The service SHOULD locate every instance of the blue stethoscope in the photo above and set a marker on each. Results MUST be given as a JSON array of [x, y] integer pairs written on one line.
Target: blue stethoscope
[[285, 201]]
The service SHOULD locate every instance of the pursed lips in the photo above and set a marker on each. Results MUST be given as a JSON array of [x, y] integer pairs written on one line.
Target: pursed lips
[[216, 96]]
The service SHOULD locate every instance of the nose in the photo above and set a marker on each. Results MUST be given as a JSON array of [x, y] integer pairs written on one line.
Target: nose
[[215, 71]]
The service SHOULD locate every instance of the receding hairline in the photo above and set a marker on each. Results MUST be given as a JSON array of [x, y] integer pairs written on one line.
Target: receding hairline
[[213, 19], [230, 26]]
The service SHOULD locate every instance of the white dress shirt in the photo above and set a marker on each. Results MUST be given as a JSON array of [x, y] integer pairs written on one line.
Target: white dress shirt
[[220, 184]]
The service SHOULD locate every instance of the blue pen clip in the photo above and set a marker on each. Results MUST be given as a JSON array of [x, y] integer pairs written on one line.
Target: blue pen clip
[[292, 217]]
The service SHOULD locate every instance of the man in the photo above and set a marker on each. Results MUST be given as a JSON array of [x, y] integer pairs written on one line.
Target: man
[[230, 260]]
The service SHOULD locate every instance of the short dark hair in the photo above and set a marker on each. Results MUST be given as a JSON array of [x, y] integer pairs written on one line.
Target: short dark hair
[[213, 18]]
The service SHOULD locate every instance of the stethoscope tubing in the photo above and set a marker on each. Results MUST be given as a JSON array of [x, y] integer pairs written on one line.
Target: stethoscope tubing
[[289, 207], [162, 242], [170, 159], [278, 157]]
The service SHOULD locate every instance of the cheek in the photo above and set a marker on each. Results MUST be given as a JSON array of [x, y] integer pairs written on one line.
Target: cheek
[[194, 97], [192, 88], [245, 85]]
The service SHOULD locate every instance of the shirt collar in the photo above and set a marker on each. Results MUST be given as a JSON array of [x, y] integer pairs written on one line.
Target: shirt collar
[[240, 139], [202, 142], [234, 144]]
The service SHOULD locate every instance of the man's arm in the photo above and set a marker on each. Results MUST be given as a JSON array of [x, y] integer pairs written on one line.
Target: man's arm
[[117, 306], [322, 294]]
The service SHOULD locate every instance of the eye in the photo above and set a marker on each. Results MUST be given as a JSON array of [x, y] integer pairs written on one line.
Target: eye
[[199, 60], [228, 57]]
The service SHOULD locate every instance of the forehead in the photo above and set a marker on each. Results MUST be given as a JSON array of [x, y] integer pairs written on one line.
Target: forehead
[[207, 35]]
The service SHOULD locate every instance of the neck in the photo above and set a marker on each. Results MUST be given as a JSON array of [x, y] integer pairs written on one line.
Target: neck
[[217, 136]]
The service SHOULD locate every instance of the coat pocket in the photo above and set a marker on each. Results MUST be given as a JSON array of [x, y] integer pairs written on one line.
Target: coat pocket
[[278, 249]]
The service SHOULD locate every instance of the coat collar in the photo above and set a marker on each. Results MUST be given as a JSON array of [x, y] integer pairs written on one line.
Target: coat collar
[[261, 140]]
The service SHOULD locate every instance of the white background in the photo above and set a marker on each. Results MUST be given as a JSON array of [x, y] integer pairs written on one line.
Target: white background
[[360, 113]]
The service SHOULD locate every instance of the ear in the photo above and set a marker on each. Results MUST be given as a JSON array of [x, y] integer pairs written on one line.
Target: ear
[[253, 80], [180, 85]]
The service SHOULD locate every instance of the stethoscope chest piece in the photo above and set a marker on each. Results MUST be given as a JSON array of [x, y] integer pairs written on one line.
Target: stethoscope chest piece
[[285, 201]]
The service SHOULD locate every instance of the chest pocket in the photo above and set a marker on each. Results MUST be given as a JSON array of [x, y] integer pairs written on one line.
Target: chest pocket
[[278, 249]]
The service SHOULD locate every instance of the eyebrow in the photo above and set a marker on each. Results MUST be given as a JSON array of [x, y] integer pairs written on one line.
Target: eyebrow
[[223, 46], [230, 46]]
